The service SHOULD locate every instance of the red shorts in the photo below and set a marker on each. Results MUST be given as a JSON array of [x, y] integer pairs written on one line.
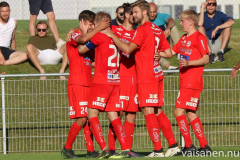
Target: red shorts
[[128, 94], [104, 97], [151, 94], [78, 100], [188, 99]]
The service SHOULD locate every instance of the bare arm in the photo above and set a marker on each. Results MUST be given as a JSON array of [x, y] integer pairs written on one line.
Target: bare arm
[[201, 16], [82, 49], [87, 36], [166, 54], [127, 48], [170, 24], [13, 44], [173, 53], [235, 70], [227, 24], [202, 61]]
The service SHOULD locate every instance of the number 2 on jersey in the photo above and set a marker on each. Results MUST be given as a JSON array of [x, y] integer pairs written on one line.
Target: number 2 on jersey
[[116, 54]]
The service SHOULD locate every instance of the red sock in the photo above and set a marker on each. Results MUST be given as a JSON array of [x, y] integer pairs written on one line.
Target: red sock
[[153, 130], [88, 138], [73, 132], [111, 138], [120, 133], [129, 130], [198, 130], [166, 127], [97, 131], [184, 128]]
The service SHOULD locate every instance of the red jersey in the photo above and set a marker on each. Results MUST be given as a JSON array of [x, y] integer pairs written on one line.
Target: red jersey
[[191, 48], [106, 60], [79, 65], [127, 62], [149, 39]]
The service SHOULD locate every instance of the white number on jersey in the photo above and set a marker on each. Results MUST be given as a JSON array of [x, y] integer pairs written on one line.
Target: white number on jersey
[[116, 54]]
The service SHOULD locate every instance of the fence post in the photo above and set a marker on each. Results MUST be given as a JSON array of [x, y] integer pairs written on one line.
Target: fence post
[[182, 141], [3, 117]]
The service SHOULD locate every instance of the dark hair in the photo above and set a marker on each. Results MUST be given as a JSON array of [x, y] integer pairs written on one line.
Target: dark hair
[[127, 8], [4, 4], [118, 8], [42, 22], [87, 15]]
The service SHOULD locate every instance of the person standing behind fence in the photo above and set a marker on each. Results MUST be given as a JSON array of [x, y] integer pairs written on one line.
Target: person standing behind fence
[[167, 24], [8, 27], [46, 7], [41, 50], [79, 82], [193, 51], [216, 26]]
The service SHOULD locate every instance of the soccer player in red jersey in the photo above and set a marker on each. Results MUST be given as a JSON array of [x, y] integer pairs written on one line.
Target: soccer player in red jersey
[[193, 51], [148, 40], [104, 92], [128, 86], [79, 82]]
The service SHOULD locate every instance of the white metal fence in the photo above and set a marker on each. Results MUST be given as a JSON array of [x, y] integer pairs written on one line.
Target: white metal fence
[[35, 113]]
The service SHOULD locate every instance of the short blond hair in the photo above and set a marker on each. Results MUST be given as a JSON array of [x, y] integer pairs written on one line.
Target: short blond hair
[[143, 5], [100, 15], [190, 15]]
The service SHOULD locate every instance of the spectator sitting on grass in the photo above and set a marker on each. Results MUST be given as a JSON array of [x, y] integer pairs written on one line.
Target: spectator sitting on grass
[[217, 27], [8, 27], [41, 50]]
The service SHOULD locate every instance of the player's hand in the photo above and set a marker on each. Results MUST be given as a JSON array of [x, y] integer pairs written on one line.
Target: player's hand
[[234, 71], [183, 63], [157, 56], [84, 26], [214, 32], [204, 5], [108, 32], [3, 73], [70, 32], [2, 61], [104, 24], [93, 64], [167, 32]]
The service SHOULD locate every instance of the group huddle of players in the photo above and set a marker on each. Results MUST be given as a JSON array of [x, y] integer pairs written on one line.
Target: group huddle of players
[[128, 78]]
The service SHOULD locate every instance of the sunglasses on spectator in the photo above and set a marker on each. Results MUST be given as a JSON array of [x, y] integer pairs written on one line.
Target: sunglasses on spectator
[[121, 14], [39, 30], [211, 4]]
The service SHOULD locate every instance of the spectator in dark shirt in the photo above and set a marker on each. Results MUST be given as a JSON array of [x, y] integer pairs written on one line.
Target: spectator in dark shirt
[[119, 17], [217, 27]]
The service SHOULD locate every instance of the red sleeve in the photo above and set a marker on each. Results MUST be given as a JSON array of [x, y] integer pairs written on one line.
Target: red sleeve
[[176, 47], [74, 37], [202, 44], [138, 36], [97, 39], [165, 45]]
